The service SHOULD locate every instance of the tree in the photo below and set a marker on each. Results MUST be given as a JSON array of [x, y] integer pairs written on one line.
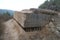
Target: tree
[[51, 4], [6, 14]]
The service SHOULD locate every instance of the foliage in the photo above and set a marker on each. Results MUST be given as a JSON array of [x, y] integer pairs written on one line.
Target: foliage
[[5, 16], [52, 4]]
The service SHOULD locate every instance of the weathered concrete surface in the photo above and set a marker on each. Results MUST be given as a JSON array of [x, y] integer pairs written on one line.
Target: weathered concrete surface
[[32, 19]]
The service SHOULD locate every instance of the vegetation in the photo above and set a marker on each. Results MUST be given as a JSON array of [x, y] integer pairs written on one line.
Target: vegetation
[[5, 16], [51, 4]]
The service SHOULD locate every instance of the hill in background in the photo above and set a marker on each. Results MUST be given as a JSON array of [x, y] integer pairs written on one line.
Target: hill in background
[[2, 11]]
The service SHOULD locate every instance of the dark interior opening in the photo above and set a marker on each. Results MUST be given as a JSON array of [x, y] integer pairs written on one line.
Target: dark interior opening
[[31, 29]]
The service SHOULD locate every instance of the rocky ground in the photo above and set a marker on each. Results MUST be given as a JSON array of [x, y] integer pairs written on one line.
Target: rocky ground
[[12, 30]]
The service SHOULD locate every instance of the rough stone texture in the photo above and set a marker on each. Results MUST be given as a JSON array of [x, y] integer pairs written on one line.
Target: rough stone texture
[[56, 23], [32, 19], [13, 31]]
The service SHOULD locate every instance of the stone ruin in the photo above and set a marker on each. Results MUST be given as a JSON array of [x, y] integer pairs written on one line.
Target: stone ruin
[[34, 19], [33, 24], [31, 20]]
